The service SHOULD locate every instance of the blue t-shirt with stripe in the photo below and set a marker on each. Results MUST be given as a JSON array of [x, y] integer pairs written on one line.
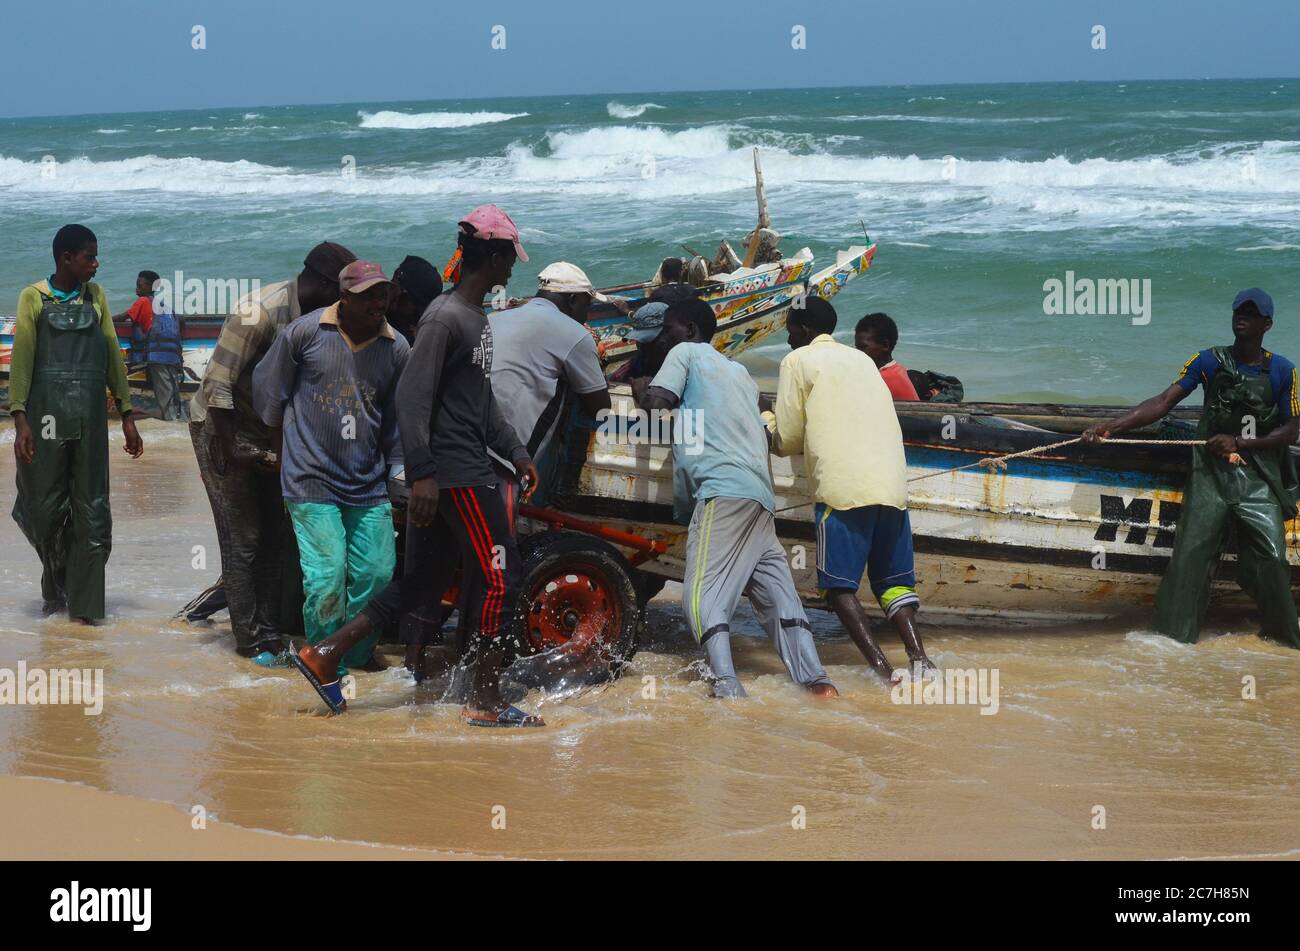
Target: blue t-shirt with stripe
[[1201, 368]]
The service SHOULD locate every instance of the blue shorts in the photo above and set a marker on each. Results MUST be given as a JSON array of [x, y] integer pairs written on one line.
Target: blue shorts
[[875, 540]]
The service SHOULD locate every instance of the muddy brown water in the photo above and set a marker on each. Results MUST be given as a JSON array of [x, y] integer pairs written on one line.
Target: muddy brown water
[[1156, 733]]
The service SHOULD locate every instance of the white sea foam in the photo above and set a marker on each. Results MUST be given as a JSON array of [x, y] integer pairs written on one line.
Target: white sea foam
[[388, 119], [619, 111], [649, 162], [110, 131]]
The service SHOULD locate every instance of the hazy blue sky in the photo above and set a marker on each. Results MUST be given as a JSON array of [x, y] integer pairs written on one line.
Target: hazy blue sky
[[78, 56]]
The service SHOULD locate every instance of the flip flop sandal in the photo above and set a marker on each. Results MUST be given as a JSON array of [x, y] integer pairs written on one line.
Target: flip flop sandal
[[331, 693], [509, 717], [271, 659]]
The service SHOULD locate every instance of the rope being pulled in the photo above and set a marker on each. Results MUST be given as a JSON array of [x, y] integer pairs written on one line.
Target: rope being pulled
[[994, 463]]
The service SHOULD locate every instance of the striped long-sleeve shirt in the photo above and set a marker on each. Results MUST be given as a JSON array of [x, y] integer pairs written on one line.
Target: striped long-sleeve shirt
[[245, 338], [336, 402]]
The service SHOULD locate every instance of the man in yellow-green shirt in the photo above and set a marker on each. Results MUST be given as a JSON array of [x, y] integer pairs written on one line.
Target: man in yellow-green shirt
[[65, 353], [833, 406]]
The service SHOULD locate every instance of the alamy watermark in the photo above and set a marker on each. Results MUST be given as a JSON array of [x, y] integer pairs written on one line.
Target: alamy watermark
[[640, 427], [77, 904], [973, 686], [37, 686], [183, 295], [1085, 296]]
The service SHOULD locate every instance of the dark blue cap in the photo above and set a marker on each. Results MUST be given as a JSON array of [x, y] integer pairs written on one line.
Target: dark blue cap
[[647, 322], [1253, 295]]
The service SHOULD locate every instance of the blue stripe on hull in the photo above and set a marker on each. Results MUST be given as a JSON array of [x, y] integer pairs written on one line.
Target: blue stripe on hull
[[928, 458]]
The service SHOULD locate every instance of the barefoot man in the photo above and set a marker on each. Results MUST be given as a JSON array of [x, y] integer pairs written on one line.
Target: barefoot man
[[833, 406]]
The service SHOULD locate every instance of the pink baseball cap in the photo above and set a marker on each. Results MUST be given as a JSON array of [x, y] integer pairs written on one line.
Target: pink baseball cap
[[361, 276], [489, 222]]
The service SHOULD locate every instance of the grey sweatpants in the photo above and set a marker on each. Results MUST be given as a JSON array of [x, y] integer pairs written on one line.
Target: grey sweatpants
[[732, 549]]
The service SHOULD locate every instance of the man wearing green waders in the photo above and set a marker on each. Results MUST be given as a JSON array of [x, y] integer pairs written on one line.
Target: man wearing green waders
[[65, 353], [1243, 476]]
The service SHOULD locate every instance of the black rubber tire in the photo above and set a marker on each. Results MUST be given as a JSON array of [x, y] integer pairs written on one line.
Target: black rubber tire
[[552, 554]]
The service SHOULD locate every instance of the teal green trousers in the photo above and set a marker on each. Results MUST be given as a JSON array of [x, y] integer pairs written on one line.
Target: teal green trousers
[[348, 556]]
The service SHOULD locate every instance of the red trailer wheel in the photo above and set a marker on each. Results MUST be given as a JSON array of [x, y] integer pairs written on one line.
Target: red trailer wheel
[[577, 594]]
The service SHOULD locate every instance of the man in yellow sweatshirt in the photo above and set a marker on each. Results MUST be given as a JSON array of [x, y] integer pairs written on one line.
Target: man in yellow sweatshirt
[[65, 352], [833, 406]]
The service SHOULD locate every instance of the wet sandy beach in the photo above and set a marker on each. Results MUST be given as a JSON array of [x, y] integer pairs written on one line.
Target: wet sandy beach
[[1155, 732]]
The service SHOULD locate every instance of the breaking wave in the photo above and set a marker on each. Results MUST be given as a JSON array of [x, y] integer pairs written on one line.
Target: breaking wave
[[649, 162], [619, 111], [388, 119]]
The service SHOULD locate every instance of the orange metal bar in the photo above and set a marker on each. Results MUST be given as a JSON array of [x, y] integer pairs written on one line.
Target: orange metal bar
[[646, 548]]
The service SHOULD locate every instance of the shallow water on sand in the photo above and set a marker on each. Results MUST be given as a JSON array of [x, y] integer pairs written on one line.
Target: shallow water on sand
[[1155, 732]]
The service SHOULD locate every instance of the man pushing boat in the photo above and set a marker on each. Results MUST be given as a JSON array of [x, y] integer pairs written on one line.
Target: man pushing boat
[[1243, 476], [834, 406], [723, 486]]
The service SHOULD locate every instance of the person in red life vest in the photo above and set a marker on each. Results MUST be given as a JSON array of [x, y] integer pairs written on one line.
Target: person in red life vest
[[140, 314], [877, 335]]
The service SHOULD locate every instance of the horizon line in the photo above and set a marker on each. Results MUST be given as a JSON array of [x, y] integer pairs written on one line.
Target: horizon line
[[672, 92]]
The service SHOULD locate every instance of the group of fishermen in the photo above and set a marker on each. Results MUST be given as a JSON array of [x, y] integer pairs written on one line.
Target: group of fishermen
[[324, 387]]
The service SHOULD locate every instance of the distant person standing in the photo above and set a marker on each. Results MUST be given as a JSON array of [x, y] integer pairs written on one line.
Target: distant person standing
[[876, 335], [65, 352], [140, 316], [156, 342], [327, 389]]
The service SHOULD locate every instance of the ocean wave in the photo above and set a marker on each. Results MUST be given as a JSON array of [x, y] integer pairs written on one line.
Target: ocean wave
[[388, 119], [1270, 247], [110, 131], [649, 162], [619, 111]]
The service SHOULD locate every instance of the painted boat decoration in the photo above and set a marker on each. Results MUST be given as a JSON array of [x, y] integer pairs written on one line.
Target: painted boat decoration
[[749, 307], [1083, 533]]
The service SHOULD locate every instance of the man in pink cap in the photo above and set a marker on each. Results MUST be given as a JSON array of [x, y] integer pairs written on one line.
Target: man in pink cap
[[327, 390], [449, 420]]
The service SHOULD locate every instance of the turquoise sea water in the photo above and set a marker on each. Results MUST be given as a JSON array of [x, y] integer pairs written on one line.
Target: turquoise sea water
[[977, 194]]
